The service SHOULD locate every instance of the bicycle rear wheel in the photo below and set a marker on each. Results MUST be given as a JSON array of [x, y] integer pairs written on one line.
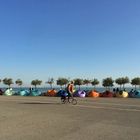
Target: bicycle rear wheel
[[63, 101], [74, 101]]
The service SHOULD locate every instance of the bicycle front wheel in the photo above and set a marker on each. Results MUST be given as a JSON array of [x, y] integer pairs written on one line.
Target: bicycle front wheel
[[74, 101]]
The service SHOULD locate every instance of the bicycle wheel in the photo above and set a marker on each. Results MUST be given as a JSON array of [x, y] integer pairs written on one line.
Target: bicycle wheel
[[70, 100], [63, 100], [74, 101]]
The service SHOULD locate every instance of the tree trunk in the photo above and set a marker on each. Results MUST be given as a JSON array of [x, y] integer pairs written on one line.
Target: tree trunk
[[123, 86], [79, 87], [94, 87], [120, 87], [135, 87]]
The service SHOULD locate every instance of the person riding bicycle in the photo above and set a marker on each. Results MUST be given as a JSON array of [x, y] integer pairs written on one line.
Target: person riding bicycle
[[70, 89]]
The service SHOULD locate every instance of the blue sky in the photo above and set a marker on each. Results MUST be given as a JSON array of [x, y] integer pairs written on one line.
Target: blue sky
[[69, 38]]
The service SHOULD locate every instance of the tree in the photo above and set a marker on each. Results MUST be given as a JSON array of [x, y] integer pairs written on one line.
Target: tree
[[119, 82], [78, 82], [136, 82], [108, 82], [19, 82], [36, 82], [125, 80], [50, 82], [8, 81], [95, 82], [86, 82], [122, 81], [62, 82]]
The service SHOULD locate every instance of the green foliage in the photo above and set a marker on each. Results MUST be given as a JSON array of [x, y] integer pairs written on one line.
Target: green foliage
[[8, 81], [50, 82], [86, 82], [108, 82], [122, 81], [119, 81], [135, 81], [19, 82], [95, 82], [125, 80], [78, 82], [36, 82], [62, 82]]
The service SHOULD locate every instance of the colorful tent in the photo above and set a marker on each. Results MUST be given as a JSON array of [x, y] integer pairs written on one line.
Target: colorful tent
[[93, 93], [51, 92], [135, 94], [35, 92], [24, 92], [9, 92], [79, 93], [122, 94], [107, 94], [1, 92], [61, 93]]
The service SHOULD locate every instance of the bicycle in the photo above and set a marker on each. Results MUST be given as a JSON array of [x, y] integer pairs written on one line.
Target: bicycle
[[66, 100]]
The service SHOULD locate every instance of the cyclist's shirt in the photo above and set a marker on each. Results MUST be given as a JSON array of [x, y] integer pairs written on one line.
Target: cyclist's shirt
[[70, 88]]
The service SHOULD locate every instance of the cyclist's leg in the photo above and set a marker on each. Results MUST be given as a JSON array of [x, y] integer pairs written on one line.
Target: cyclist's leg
[[69, 95], [72, 95]]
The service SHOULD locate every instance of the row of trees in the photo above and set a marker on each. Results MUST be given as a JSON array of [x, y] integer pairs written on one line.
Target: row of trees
[[107, 82]]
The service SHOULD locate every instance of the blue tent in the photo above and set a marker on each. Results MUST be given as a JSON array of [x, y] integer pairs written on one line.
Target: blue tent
[[61, 93], [135, 94], [35, 92], [23, 92]]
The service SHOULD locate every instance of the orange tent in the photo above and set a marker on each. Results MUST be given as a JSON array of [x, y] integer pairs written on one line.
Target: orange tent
[[93, 93], [51, 92]]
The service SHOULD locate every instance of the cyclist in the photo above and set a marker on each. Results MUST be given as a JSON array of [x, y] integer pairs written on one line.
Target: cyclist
[[70, 89]]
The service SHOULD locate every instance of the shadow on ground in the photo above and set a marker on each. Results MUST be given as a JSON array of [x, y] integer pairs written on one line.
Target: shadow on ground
[[49, 103]]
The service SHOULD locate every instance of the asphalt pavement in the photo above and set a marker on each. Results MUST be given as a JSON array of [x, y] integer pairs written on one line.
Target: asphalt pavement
[[46, 118]]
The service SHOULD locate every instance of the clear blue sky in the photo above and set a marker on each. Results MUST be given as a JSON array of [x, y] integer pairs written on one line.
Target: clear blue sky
[[69, 38]]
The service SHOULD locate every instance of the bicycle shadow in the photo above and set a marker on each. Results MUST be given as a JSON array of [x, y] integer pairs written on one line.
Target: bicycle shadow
[[41, 103]]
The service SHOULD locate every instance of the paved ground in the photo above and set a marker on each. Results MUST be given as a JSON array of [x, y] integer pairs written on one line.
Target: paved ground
[[45, 118]]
